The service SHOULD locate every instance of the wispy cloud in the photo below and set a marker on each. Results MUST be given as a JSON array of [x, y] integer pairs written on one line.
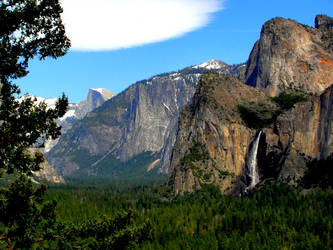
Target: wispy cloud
[[115, 24]]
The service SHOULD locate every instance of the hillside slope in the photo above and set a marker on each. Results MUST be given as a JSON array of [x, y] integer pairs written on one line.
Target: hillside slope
[[139, 124], [235, 136]]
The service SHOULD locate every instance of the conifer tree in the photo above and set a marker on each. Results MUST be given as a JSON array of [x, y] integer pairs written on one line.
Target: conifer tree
[[28, 29]]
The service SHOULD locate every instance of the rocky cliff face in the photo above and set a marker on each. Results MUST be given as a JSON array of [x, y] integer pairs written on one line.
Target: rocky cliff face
[[47, 173], [213, 142], [95, 98], [290, 55], [324, 23], [141, 120], [217, 130], [299, 135]]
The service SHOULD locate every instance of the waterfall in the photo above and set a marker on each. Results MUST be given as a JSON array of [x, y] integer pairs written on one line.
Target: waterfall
[[252, 162]]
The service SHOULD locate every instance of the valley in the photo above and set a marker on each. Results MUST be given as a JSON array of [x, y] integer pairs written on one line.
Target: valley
[[212, 156]]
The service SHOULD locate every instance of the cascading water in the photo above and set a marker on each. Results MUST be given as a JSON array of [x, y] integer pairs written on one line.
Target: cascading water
[[252, 162]]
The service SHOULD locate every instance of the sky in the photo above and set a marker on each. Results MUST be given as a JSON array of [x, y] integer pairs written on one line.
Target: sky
[[116, 43]]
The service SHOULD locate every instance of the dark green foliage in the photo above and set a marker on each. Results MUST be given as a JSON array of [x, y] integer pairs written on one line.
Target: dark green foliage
[[24, 215], [287, 100], [29, 28], [257, 116], [262, 115], [319, 173], [103, 233], [197, 153], [111, 168], [28, 221], [276, 216], [25, 124]]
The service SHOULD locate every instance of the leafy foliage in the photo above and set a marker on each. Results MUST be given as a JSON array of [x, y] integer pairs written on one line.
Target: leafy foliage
[[276, 216], [103, 233], [287, 100], [257, 116], [29, 28], [25, 124], [24, 215], [319, 173], [261, 115], [28, 221]]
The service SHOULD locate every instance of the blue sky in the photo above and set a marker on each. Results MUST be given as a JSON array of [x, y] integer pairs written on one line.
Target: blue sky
[[209, 29]]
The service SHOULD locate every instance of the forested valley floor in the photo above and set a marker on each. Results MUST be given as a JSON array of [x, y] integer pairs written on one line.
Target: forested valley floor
[[276, 216]]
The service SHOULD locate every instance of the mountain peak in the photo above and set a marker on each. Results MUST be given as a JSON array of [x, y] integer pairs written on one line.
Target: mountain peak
[[211, 64], [290, 55], [105, 93]]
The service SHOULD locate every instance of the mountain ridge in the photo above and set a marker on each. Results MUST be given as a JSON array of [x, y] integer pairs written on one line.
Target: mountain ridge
[[141, 119], [95, 98], [289, 103]]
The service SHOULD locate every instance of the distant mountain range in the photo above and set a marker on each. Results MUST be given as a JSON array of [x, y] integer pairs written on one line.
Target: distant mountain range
[[136, 128], [213, 123], [95, 98]]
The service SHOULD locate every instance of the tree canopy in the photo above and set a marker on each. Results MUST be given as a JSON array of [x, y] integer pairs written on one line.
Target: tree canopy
[[29, 28]]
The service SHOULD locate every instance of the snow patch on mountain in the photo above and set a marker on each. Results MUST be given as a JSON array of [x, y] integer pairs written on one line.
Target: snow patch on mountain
[[96, 97], [69, 113], [211, 64]]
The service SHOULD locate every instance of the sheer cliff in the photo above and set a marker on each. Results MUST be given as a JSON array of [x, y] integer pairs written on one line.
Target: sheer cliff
[[213, 141], [290, 55], [95, 98], [139, 124], [284, 110]]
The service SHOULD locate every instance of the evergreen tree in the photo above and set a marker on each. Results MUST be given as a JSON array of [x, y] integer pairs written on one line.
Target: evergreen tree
[[28, 28]]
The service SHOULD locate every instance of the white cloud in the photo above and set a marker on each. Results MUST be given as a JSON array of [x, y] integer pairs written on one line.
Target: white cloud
[[115, 24]]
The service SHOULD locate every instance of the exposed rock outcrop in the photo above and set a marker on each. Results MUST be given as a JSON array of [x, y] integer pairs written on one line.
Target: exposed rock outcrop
[[46, 172], [213, 141], [290, 55], [218, 128], [324, 23], [95, 98], [299, 135], [141, 119]]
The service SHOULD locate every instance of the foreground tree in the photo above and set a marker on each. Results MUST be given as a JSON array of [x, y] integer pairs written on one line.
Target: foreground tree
[[28, 29]]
